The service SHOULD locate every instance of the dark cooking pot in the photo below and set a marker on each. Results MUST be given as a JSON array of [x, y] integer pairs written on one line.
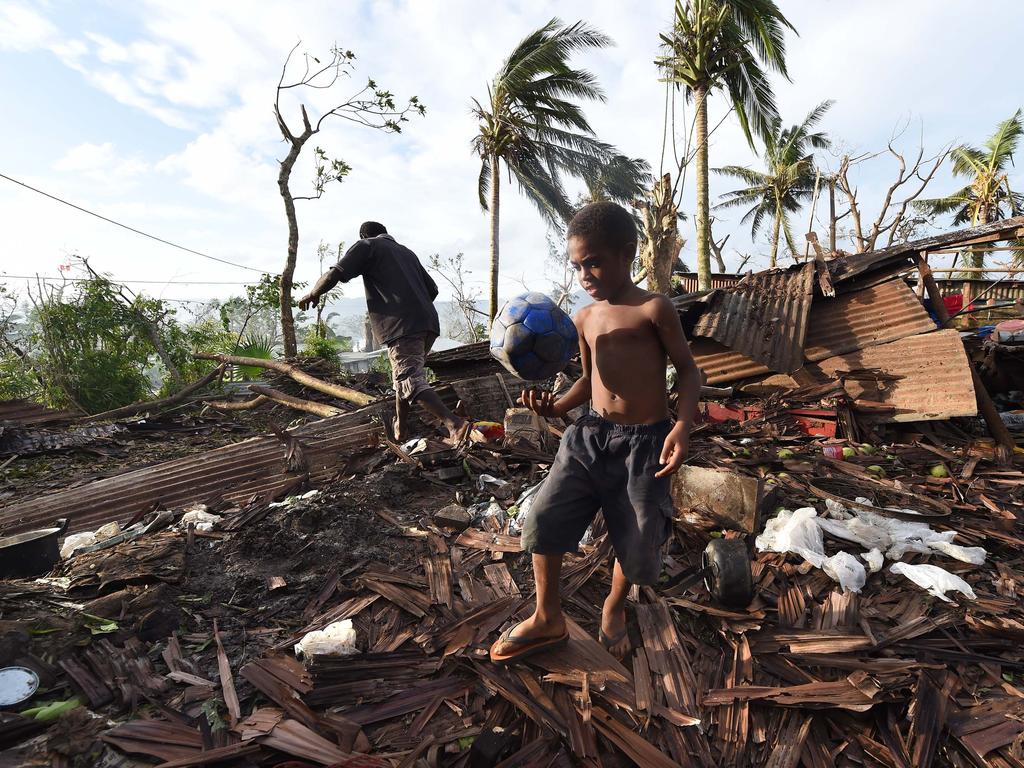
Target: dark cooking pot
[[32, 553]]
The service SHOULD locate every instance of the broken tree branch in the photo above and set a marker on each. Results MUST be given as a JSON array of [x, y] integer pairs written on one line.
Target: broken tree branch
[[309, 406], [164, 402], [297, 374]]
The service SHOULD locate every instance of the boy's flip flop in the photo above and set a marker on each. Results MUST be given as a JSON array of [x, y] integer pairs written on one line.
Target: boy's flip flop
[[611, 642], [524, 647]]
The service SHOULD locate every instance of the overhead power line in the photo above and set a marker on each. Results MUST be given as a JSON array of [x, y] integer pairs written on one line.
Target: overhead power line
[[50, 279], [131, 229]]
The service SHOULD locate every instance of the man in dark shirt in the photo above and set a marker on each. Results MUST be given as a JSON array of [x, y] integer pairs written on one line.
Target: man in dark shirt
[[400, 299]]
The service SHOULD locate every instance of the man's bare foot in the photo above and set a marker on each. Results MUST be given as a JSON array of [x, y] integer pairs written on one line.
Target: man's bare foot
[[614, 636], [401, 433], [532, 628]]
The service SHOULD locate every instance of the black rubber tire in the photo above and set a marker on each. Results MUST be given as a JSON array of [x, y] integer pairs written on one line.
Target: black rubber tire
[[727, 575]]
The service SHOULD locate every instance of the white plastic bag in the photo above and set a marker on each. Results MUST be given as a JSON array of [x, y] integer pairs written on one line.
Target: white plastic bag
[[522, 506], [938, 581], [74, 541], [337, 639], [892, 536], [795, 532], [874, 559], [845, 569]]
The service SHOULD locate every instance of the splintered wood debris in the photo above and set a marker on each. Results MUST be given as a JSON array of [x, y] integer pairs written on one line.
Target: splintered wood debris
[[805, 675]]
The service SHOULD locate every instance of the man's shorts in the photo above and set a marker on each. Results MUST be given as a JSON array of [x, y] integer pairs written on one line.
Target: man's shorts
[[408, 356], [601, 465]]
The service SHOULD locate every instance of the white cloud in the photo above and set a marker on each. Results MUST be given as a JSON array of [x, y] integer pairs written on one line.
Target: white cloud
[[211, 68], [23, 29], [103, 164]]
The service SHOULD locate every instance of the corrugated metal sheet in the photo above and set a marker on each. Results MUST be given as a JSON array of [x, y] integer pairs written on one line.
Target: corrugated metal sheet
[[873, 316], [469, 353], [848, 267], [688, 281], [25, 413], [235, 472], [1008, 290], [721, 364], [764, 317], [936, 378]]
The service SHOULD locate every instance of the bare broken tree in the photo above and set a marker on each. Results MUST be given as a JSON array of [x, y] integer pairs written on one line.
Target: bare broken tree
[[895, 221], [468, 325], [662, 241], [370, 106]]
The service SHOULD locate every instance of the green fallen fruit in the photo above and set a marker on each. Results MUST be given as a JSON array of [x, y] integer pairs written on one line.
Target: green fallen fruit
[[867, 450], [51, 712], [939, 470], [876, 470], [849, 453], [785, 453]]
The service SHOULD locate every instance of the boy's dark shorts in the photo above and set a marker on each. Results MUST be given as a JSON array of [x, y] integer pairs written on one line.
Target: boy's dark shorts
[[601, 465]]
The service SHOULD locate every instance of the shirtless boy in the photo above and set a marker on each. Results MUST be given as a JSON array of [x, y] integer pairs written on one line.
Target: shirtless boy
[[621, 457]]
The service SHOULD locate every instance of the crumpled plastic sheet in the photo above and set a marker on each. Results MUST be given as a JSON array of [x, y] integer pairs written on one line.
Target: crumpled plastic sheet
[[875, 560], [800, 532], [938, 581], [893, 537], [795, 532], [847, 570]]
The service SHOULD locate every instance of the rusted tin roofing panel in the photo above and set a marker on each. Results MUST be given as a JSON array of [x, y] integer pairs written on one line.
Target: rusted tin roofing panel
[[468, 353], [235, 472], [848, 267], [764, 317], [688, 280], [721, 364], [936, 376], [875, 315], [24, 413]]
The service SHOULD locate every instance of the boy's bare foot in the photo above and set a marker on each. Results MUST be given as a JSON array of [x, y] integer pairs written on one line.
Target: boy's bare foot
[[532, 630], [614, 636]]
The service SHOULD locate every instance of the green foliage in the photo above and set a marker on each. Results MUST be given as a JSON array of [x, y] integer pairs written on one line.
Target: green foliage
[[91, 349], [257, 346], [382, 365], [988, 196], [16, 379], [787, 182], [529, 122], [728, 45], [316, 345]]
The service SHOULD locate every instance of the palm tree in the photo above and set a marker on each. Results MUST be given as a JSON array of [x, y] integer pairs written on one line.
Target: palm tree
[[530, 124], [622, 180], [724, 45], [988, 196], [787, 182]]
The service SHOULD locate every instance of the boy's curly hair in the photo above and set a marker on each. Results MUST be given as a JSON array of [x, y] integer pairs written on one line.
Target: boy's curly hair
[[605, 222]]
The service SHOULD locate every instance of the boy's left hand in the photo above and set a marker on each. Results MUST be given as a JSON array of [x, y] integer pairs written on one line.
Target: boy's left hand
[[674, 451]]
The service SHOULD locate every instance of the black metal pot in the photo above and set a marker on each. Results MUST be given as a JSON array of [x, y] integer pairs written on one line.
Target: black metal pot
[[32, 553]]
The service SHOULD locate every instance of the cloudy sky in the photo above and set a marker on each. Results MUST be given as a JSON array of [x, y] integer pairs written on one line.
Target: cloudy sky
[[158, 115]]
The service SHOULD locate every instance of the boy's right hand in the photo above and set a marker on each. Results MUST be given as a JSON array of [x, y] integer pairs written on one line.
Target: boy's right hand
[[541, 402]]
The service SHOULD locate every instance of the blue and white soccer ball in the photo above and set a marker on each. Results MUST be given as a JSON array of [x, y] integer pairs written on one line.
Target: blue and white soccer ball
[[533, 338]]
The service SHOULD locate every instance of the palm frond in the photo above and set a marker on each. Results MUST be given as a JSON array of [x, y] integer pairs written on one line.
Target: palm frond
[[968, 161], [748, 175], [1003, 143], [483, 184]]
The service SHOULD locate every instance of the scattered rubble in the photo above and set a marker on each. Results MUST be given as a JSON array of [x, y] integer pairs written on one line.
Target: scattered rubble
[[885, 627]]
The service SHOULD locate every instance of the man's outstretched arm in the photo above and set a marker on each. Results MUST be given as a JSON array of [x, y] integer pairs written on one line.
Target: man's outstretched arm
[[350, 265]]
